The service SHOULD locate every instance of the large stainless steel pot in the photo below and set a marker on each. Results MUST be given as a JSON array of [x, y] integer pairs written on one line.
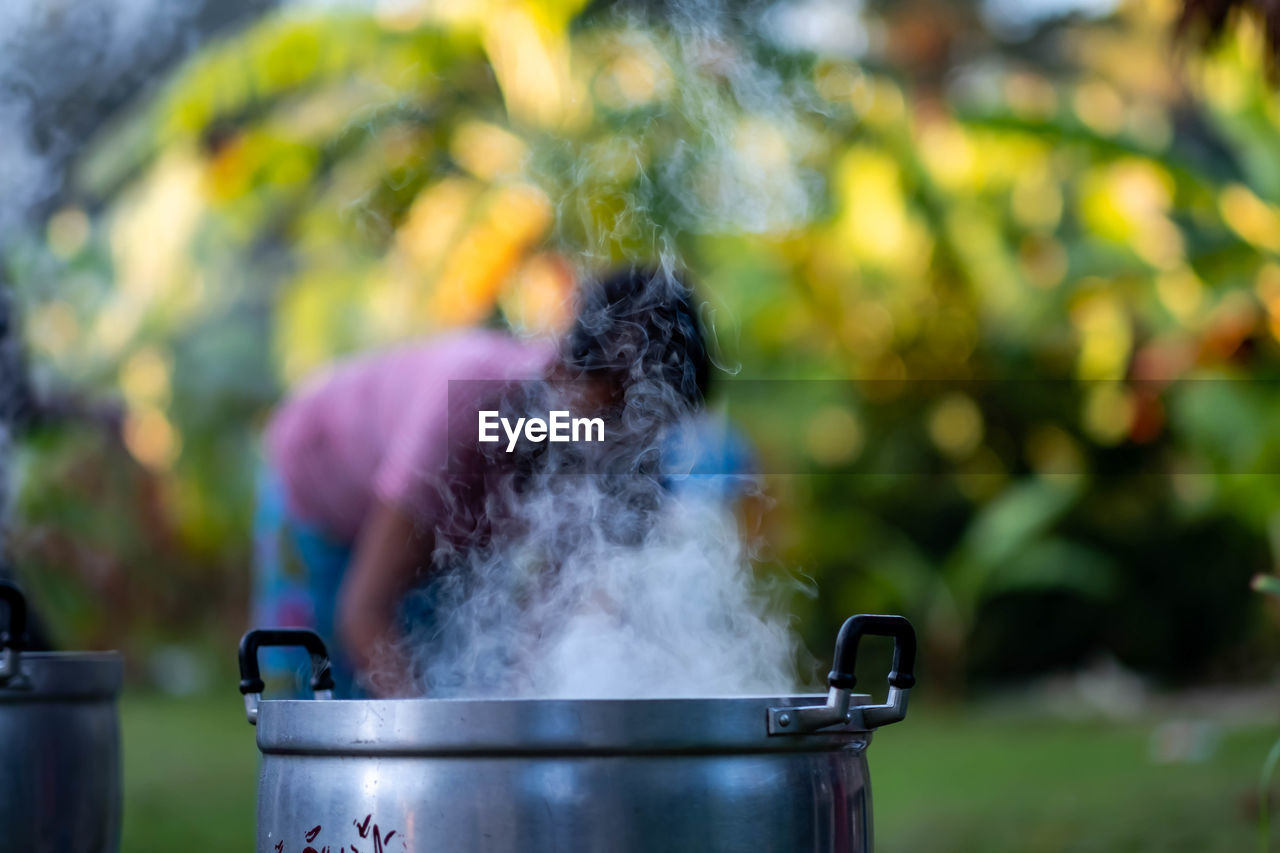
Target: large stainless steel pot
[[781, 773], [59, 745]]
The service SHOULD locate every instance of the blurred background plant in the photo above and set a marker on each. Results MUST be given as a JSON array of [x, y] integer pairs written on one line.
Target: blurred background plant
[[998, 284], [1070, 235]]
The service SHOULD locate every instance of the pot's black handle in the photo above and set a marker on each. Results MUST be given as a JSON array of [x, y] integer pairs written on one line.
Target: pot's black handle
[[251, 676], [854, 629], [839, 709], [16, 628]]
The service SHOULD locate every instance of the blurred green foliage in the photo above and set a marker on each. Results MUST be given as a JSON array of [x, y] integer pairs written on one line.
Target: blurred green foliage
[[1041, 292], [943, 783]]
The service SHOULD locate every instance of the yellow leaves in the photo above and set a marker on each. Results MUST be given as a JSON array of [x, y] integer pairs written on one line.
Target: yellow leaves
[[152, 228], [461, 243], [1250, 217], [950, 155], [1100, 107], [291, 166], [1106, 336], [876, 218], [1225, 84], [394, 307], [461, 248], [1268, 288], [487, 151], [539, 300], [1182, 293], [1121, 196], [144, 378], [530, 58], [148, 434], [280, 53], [880, 103], [150, 238], [1036, 200], [466, 291], [209, 88], [152, 439], [230, 168], [1162, 12], [876, 222], [434, 221], [977, 238], [1231, 78], [1108, 412], [475, 14], [314, 316], [1160, 244], [966, 161], [316, 55], [292, 57], [1127, 202], [258, 159]]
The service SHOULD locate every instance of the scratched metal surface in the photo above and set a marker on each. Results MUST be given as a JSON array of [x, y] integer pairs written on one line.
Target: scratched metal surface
[[547, 775]]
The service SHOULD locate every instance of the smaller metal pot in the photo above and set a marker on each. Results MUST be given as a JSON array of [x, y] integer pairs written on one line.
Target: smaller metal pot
[[59, 745]]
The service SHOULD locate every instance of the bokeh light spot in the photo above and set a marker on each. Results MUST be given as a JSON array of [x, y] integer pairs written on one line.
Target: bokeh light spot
[[956, 426]]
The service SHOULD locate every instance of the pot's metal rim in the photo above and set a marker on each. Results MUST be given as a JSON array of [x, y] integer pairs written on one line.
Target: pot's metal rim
[[507, 727], [65, 676]]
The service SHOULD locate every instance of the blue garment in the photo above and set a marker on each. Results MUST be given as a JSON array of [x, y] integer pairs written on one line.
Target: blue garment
[[298, 574], [707, 457], [298, 571]]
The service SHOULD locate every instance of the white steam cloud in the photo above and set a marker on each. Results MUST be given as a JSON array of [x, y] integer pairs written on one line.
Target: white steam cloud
[[64, 64], [612, 585], [676, 613]]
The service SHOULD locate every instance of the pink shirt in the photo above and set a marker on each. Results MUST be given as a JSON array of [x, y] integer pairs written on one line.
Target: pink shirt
[[376, 426]]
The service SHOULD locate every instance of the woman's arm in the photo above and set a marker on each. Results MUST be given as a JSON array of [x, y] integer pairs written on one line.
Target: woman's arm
[[389, 549]]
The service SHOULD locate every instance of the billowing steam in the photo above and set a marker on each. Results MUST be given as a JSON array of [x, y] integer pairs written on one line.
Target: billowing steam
[[608, 583], [736, 147], [65, 65], [599, 580], [577, 607]]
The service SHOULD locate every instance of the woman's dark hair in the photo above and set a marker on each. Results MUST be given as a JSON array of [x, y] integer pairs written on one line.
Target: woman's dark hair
[[640, 324]]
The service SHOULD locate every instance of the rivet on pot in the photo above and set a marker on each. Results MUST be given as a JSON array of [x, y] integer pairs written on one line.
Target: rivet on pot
[[784, 720]]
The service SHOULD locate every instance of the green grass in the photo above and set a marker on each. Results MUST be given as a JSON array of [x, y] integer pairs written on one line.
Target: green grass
[[942, 783], [973, 784], [190, 774]]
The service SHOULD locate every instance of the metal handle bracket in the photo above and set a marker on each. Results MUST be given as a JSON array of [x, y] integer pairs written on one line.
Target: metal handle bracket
[[839, 709], [251, 684]]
